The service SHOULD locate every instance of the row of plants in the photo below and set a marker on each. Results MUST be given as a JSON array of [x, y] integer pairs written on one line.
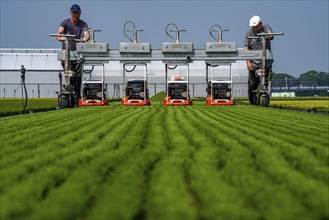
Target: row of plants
[[156, 162], [316, 104], [11, 105], [319, 105], [254, 168]]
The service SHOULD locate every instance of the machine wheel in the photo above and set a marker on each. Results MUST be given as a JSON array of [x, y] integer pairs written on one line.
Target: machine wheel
[[72, 101], [68, 102], [264, 100], [253, 98], [65, 101]]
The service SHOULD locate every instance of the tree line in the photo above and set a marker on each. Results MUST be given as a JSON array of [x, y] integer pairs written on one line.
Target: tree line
[[321, 77]]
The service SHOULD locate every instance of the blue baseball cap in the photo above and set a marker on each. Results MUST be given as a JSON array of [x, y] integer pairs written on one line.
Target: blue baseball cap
[[75, 7]]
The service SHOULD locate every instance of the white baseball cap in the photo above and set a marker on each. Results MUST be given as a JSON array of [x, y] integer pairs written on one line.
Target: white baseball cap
[[254, 21]]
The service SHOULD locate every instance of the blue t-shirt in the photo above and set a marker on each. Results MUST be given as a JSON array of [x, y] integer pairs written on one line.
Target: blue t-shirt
[[73, 29]]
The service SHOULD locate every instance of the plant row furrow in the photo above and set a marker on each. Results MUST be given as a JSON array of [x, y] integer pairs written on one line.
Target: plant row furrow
[[25, 121], [241, 167], [101, 154], [316, 145], [56, 119], [297, 154], [274, 167], [216, 198], [121, 196], [75, 130], [98, 176], [296, 121], [167, 179], [57, 151]]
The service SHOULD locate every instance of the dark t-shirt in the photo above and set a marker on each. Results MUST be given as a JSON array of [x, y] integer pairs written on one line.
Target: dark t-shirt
[[73, 29], [256, 44]]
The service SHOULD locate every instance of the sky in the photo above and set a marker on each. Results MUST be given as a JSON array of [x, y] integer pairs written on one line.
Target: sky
[[303, 47]]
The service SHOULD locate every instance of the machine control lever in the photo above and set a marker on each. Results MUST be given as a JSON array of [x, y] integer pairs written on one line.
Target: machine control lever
[[219, 30], [93, 40], [177, 38], [134, 30]]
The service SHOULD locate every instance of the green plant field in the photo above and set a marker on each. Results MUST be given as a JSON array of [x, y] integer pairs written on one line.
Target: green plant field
[[196, 162], [320, 105], [159, 96], [11, 105]]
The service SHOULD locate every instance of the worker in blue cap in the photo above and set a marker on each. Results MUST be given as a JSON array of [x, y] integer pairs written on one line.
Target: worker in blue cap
[[79, 28], [74, 26]]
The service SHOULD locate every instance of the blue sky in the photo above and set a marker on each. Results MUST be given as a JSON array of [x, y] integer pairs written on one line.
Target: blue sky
[[304, 47]]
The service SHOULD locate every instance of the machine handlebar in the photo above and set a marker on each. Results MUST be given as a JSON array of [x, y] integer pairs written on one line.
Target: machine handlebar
[[219, 30], [267, 34], [62, 35]]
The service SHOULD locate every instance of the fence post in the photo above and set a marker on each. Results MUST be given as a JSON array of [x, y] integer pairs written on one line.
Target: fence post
[[107, 91], [193, 89], [314, 93], [38, 90]]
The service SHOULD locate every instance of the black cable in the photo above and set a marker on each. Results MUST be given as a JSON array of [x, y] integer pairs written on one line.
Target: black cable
[[89, 71], [25, 97], [208, 64], [129, 71], [23, 85], [172, 68]]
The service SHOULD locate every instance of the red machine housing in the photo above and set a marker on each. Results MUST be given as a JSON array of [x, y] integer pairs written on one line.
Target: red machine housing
[[167, 101], [177, 94], [211, 101], [93, 93], [92, 102], [126, 101], [219, 93], [136, 94]]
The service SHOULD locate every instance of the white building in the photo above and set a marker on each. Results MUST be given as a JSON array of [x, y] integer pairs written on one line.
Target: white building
[[42, 70]]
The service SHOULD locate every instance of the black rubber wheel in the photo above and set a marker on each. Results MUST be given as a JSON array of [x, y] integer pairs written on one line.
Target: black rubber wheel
[[253, 99], [68, 101], [264, 100], [72, 101], [63, 102]]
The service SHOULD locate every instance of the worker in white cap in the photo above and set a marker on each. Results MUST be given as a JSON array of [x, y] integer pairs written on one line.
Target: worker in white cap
[[256, 26]]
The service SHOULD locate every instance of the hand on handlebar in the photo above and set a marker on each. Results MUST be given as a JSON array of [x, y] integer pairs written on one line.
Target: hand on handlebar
[[61, 38], [81, 40], [249, 66]]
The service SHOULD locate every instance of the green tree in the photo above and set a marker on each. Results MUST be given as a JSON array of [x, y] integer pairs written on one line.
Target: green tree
[[282, 76], [322, 78]]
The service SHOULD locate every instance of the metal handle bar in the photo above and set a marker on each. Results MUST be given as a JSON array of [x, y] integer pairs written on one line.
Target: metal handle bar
[[125, 29], [93, 34], [62, 35], [132, 30], [94, 30], [166, 30], [219, 30], [266, 34], [254, 37], [177, 30]]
